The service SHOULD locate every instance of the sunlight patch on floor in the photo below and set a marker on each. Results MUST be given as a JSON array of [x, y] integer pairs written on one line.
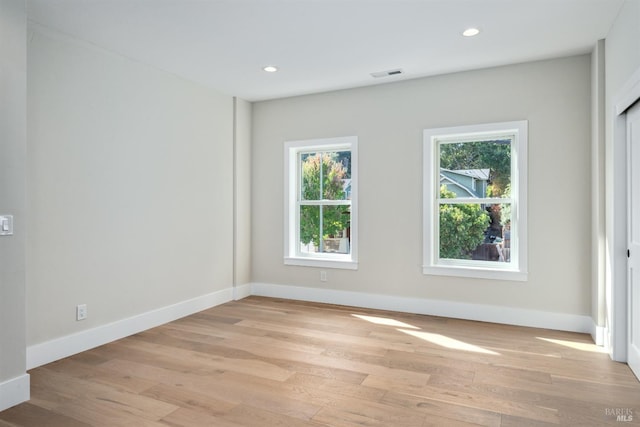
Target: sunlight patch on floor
[[385, 321], [447, 342], [583, 346]]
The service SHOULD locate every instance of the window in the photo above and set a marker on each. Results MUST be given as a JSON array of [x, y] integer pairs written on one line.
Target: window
[[321, 203], [475, 180]]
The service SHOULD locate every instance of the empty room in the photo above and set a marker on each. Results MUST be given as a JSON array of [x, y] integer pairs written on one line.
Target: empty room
[[319, 213]]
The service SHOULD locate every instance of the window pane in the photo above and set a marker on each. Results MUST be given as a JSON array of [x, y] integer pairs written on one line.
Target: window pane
[[475, 169], [336, 184], [309, 228], [333, 181], [475, 231], [310, 176], [332, 235], [505, 223], [336, 226]]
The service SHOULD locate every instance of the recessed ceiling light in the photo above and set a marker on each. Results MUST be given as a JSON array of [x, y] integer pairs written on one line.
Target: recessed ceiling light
[[270, 69], [470, 32]]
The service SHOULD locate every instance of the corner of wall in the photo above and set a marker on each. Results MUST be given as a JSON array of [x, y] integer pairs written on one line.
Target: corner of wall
[[598, 269], [598, 334], [241, 191], [14, 382], [14, 391]]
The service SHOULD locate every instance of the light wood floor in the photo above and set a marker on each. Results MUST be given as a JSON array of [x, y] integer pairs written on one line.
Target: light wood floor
[[270, 362]]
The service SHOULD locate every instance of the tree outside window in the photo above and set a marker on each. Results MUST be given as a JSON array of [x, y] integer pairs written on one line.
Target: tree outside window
[[325, 177], [480, 171], [474, 195], [321, 204]]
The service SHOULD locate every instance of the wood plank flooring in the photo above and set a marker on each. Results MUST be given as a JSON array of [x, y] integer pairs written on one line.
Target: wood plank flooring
[[271, 362]]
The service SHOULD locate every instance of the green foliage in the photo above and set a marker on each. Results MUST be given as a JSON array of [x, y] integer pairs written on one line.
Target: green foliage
[[462, 227], [505, 208], [334, 218]]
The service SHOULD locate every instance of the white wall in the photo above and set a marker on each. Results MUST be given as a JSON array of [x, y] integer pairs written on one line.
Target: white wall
[[242, 183], [14, 383], [554, 96], [130, 193], [623, 47], [598, 265], [622, 60]]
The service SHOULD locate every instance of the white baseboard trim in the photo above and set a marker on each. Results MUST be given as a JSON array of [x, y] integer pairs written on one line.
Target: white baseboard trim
[[50, 351], [458, 310], [241, 291], [14, 391], [598, 333]]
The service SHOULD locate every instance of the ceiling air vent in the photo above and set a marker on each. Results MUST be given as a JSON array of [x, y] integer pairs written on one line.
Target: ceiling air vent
[[387, 73]]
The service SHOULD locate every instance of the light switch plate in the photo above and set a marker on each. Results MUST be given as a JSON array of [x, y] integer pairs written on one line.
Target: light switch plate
[[6, 225]]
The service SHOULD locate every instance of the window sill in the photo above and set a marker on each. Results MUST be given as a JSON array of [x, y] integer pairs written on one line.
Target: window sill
[[475, 272], [321, 263]]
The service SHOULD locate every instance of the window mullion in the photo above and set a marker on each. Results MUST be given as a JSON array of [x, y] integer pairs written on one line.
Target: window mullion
[[320, 238], [466, 200], [321, 213], [338, 202]]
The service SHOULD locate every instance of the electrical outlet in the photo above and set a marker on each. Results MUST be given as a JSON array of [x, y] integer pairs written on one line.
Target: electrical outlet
[[81, 312], [6, 225], [323, 276]]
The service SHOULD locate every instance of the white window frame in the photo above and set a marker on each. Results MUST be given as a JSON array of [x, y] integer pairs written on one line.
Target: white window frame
[[432, 265], [292, 253]]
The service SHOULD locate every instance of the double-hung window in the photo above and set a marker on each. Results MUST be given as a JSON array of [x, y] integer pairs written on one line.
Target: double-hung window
[[474, 196], [321, 204]]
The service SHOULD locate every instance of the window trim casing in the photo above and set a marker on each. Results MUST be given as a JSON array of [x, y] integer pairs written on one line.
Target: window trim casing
[[292, 256], [432, 265]]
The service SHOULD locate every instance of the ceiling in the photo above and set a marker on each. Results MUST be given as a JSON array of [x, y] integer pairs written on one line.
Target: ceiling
[[323, 45]]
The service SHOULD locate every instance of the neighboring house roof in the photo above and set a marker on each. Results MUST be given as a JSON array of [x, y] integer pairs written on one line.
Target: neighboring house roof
[[482, 174], [449, 178]]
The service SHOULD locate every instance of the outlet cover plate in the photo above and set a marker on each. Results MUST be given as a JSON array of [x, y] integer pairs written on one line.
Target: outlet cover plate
[[81, 312], [6, 225]]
